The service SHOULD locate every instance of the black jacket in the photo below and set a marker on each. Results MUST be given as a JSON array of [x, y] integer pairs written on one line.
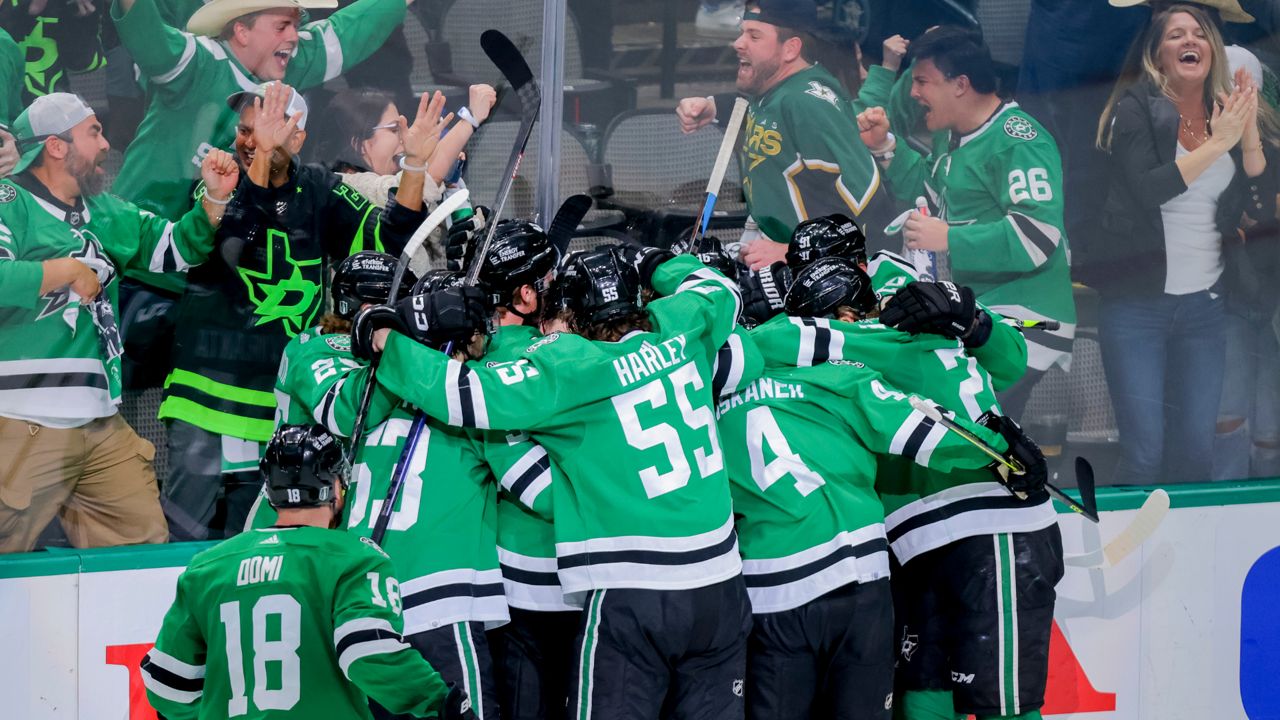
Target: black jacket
[[1128, 257]]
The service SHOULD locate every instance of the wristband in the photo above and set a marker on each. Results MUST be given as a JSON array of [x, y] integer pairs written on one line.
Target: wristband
[[411, 168], [214, 200], [885, 152], [465, 114]]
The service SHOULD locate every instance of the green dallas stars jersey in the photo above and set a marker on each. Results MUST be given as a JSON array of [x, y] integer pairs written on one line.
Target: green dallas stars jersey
[[924, 509], [815, 429], [645, 501], [60, 360], [297, 622], [1000, 189], [1004, 355], [801, 158], [189, 78]]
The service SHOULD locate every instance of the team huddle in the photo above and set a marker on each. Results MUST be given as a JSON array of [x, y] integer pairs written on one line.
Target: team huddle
[[627, 483]]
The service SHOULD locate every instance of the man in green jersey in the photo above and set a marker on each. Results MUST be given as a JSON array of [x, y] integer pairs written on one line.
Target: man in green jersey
[[294, 620], [799, 155], [974, 564], [63, 244], [995, 180], [643, 517], [815, 554]]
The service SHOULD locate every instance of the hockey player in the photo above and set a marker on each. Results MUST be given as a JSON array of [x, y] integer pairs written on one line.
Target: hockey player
[[264, 284], [643, 521], [295, 620], [974, 591], [939, 308], [995, 179], [63, 244], [800, 444]]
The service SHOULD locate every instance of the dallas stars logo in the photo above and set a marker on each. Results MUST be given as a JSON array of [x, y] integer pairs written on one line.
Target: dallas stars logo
[[282, 294], [1020, 128], [822, 92], [91, 254]]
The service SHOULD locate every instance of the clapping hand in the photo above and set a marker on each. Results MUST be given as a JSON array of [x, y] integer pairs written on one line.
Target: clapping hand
[[272, 129], [420, 139]]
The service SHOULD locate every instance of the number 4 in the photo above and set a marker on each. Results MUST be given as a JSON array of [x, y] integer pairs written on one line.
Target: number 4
[[1036, 180]]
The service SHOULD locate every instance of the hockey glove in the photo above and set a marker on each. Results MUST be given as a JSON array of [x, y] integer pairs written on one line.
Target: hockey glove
[[646, 260], [457, 706], [367, 322], [453, 314], [460, 241], [763, 292], [940, 308], [1022, 451]]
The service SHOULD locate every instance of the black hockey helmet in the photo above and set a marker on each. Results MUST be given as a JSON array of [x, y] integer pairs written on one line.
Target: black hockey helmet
[[435, 280], [763, 292], [828, 284], [519, 254], [365, 277], [300, 465], [601, 286], [710, 251], [833, 235]]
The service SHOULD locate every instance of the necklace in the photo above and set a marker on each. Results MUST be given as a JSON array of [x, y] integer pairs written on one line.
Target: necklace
[[1197, 137]]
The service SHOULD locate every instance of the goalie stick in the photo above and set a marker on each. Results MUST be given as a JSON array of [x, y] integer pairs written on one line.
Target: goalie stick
[[933, 413], [718, 170], [506, 56]]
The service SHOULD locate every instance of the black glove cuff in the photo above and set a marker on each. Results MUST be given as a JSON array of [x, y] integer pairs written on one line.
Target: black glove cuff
[[979, 332], [649, 263]]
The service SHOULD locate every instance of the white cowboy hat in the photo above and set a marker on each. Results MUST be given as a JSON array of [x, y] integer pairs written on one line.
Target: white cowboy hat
[[1229, 9], [214, 15]]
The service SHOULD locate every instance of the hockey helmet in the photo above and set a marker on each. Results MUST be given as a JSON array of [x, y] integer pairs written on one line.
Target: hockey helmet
[[299, 466], [710, 251], [833, 235], [435, 280], [365, 277], [601, 286], [828, 284], [519, 254], [763, 292]]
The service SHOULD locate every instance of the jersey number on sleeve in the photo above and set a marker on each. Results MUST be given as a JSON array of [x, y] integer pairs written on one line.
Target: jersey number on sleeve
[[763, 433], [282, 650], [1030, 185], [655, 395]]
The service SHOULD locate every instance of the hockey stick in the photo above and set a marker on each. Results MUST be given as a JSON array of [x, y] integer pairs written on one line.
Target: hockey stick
[[516, 72], [934, 414], [718, 170], [1142, 527], [433, 221], [566, 222]]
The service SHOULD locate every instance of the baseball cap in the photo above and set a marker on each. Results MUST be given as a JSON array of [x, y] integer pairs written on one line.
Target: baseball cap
[[214, 15], [48, 115], [297, 104], [794, 14]]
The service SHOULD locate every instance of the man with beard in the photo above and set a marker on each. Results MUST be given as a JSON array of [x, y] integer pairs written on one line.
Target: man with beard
[[62, 244], [799, 158]]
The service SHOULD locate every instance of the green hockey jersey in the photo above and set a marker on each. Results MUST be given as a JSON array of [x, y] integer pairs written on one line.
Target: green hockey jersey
[[801, 158], [189, 77], [297, 622], [60, 359], [925, 509], [799, 443], [1000, 189], [12, 68], [645, 501]]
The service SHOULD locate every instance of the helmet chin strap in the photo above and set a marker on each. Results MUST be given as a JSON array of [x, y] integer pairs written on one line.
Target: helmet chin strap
[[529, 319]]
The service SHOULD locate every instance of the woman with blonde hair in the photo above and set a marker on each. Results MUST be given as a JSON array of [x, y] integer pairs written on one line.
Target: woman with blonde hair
[[1188, 167]]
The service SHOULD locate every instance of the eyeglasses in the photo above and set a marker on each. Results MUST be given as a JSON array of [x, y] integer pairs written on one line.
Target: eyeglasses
[[393, 125]]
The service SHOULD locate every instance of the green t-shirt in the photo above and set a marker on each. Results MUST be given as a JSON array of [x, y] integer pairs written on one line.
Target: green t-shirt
[[297, 622]]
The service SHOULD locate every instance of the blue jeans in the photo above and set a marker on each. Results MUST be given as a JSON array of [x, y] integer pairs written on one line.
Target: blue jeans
[[1248, 444], [1164, 357]]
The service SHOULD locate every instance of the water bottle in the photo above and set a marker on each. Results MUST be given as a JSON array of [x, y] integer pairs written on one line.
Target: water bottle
[[930, 265]]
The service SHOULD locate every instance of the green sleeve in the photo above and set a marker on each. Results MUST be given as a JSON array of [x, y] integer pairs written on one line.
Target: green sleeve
[[169, 58], [711, 300], [826, 137], [1004, 355], [323, 384], [876, 89], [883, 418], [368, 643], [1026, 183], [173, 671], [907, 172], [20, 279], [524, 470], [12, 68], [168, 247], [329, 47]]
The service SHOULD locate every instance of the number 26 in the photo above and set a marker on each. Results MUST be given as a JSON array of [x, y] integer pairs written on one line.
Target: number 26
[[1036, 180]]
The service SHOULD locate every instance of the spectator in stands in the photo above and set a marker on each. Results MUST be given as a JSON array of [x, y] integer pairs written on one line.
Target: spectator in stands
[[58, 37], [995, 180], [11, 70], [263, 284], [800, 157], [63, 243], [1188, 160]]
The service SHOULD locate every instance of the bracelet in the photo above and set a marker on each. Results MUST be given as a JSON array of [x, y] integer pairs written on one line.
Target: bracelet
[[465, 114], [411, 168], [214, 200], [885, 152]]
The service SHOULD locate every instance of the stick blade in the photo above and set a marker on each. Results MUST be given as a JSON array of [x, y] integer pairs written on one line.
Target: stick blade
[[1086, 485], [506, 56], [567, 220], [1144, 524]]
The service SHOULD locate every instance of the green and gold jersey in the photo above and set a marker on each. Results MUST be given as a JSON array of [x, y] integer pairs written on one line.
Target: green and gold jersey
[[297, 622], [924, 508], [801, 158], [1000, 189], [645, 500]]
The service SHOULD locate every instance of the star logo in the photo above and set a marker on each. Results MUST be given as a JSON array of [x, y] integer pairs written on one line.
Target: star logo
[[7, 194], [822, 92], [281, 293], [91, 254], [1020, 127]]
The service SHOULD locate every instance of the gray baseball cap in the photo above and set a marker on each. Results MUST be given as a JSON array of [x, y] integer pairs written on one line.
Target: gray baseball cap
[[47, 116]]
